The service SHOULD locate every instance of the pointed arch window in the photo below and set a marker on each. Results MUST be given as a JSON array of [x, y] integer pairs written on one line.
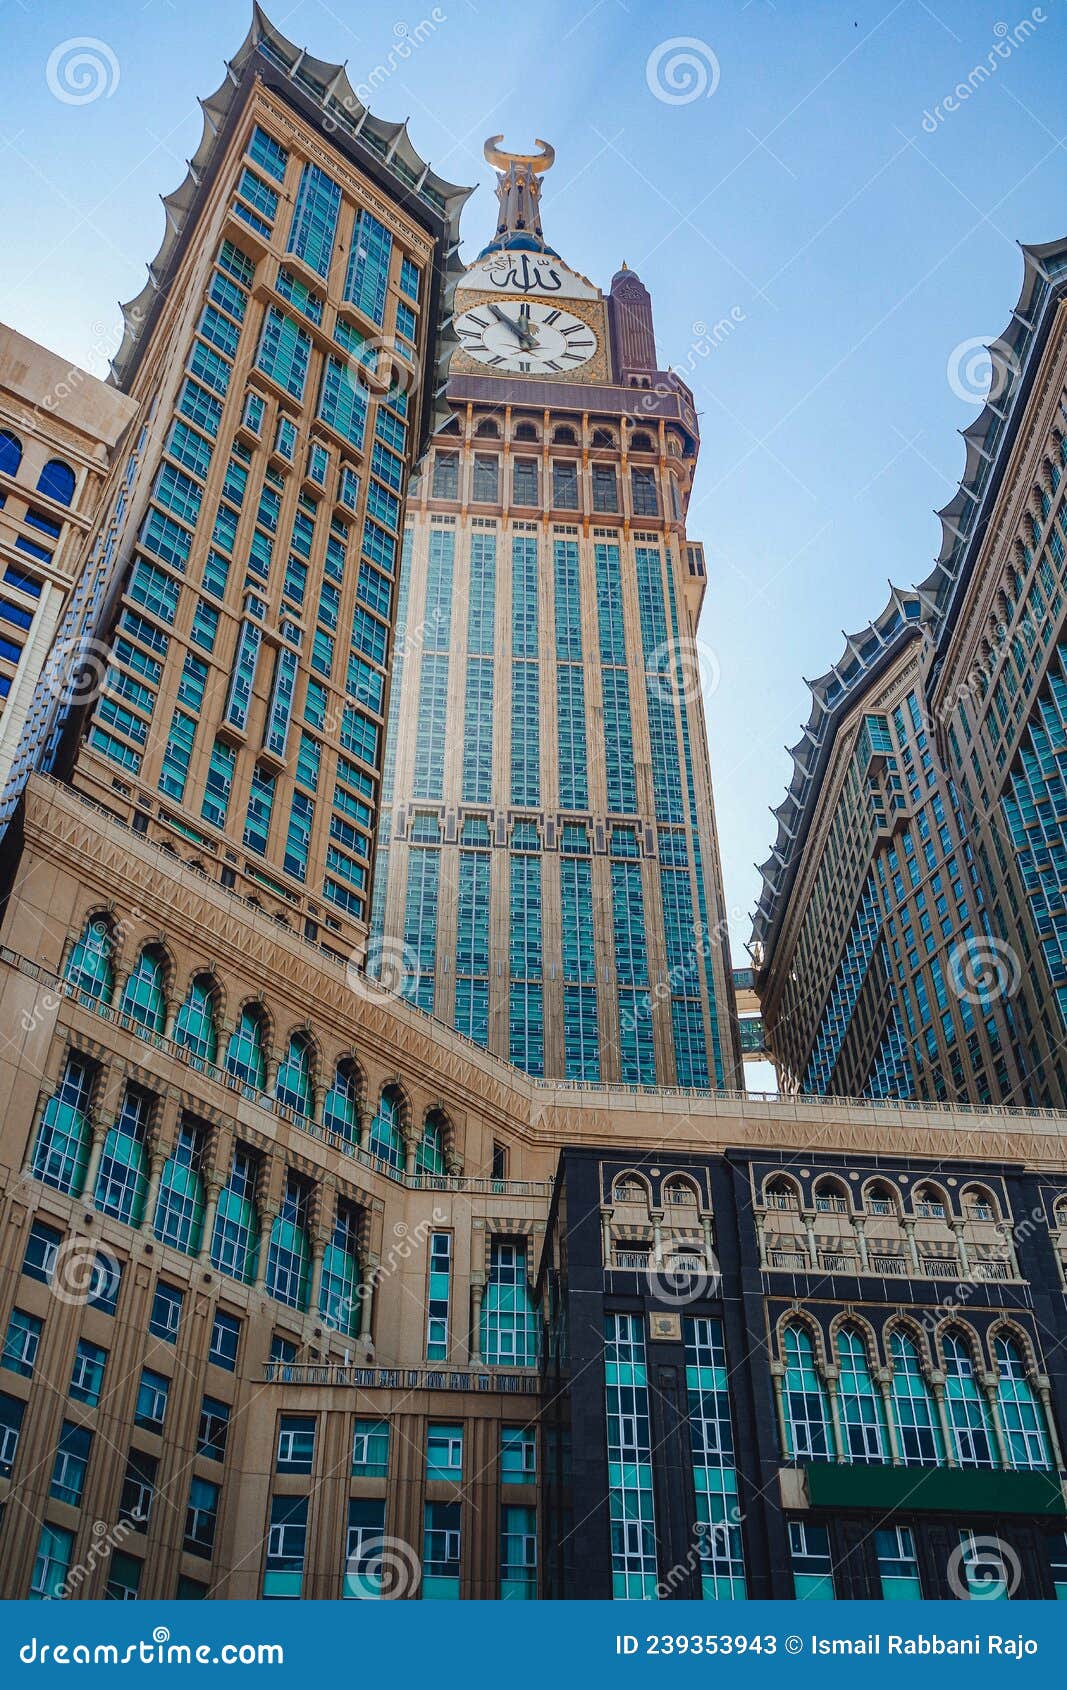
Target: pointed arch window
[[339, 1292], [807, 1412], [245, 1057], [61, 1150], [294, 1088], [968, 1413], [386, 1139], [56, 481], [235, 1242], [1021, 1414], [340, 1111], [123, 1178], [143, 998], [914, 1410], [862, 1409], [90, 965], [195, 1027], [430, 1152], [179, 1218]]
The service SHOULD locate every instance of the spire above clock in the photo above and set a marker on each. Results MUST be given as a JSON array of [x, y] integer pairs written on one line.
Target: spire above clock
[[518, 190]]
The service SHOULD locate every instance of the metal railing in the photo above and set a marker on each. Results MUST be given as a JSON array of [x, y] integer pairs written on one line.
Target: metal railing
[[358, 1377]]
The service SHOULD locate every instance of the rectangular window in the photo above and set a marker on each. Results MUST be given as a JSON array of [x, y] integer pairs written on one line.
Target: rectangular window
[[52, 1564], [71, 1462], [444, 1452], [565, 486], [362, 1580], [446, 475], [201, 1518], [22, 1343], [11, 1412], [225, 1336], [438, 1291], [213, 1429], [343, 402], [166, 1315], [518, 1455], [138, 1489], [518, 1553], [441, 1551], [809, 1549], [370, 1449], [633, 1520], [367, 275], [152, 1396], [486, 488], [898, 1565], [284, 351], [87, 1374], [42, 1247]]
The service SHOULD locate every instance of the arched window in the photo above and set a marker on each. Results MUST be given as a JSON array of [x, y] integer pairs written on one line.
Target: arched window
[[678, 1193], [195, 1026], [928, 1203], [10, 452], [340, 1109], [386, 1139], [245, 1056], [881, 1199], [627, 1189], [179, 1217], [123, 1178], [487, 430], [57, 481], [603, 437], [525, 431], [1022, 1416], [143, 997], [235, 1242], [781, 1194], [862, 1409], [430, 1154], [641, 443], [339, 1291], [914, 1409], [288, 1256], [90, 966], [61, 1149], [293, 1088], [830, 1198], [565, 436], [978, 1204], [968, 1413], [807, 1415]]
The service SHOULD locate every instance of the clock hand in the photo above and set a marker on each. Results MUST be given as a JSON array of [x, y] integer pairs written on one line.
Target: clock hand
[[520, 328]]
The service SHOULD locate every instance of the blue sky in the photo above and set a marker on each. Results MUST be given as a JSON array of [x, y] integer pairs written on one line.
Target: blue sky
[[817, 194]]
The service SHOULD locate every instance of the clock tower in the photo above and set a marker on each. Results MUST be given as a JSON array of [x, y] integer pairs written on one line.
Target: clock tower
[[548, 875]]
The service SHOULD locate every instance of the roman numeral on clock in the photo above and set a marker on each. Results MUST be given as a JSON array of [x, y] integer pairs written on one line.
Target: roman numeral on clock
[[553, 316]]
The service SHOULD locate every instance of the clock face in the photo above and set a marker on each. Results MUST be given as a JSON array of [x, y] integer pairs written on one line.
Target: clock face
[[525, 337]]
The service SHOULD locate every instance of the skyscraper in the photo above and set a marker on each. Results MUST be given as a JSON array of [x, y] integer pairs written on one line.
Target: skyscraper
[[548, 875]]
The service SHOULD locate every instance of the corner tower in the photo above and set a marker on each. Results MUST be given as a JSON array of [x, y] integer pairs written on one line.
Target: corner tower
[[548, 877]]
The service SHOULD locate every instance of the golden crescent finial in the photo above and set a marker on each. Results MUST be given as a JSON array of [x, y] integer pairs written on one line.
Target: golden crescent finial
[[538, 162]]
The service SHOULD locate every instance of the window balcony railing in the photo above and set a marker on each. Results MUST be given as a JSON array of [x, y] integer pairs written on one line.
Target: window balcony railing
[[980, 1212], [780, 1200], [838, 1261], [679, 1195], [633, 1261], [831, 1205], [881, 1206], [888, 1263], [939, 1267], [796, 1260], [930, 1211], [992, 1270]]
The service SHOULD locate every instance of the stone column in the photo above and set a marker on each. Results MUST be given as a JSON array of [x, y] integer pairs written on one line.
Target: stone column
[[92, 1171], [656, 1217], [961, 1248], [831, 1376], [605, 1235], [860, 1227], [366, 1310], [884, 1380], [213, 1185], [988, 1382], [913, 1248], [409, 1157], [477, 1293], [937, 1385], [156, 1165], [777, 1369], [267, 1217], [761, 1240], [808, 1216]]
